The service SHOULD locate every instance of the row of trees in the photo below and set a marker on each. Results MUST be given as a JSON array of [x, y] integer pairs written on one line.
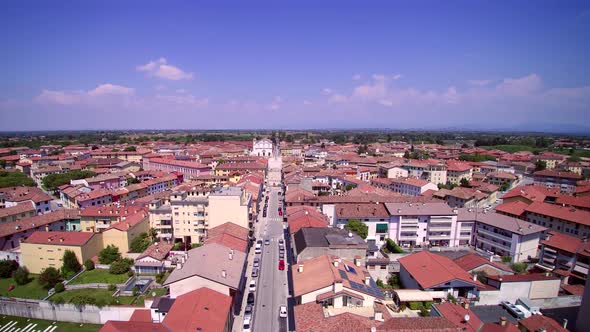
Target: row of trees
[[15, 179], [53, 181]]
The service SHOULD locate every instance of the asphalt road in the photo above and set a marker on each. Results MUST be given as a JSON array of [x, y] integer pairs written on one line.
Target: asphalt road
[[272, 289]]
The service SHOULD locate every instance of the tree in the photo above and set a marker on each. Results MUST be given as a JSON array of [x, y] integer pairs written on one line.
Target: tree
[[464, 182], [153, 234], [391, 247], [120, 266], [407, 155], [52, 181], [49, 277], [131, 180], [519, 268], [357, 227], [393, 281], [379, 283], [109, 254], [140, 243], [130, 148], [21, 275], [7, 267], [2, 163], [59, 287], [89, 265], [70, 264], [574, 159], [15, 179], [540, 165]]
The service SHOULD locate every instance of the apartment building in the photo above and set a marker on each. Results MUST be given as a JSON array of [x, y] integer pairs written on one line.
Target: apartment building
[[227, 169], [551, 160], [563, 219], [501, 179], [135, 156], [459, 171], [230, 204], [392, 171], [46, 249], [15, 212], [564, 181], [17, 195], [188, 169], [122, 233], [503, 235], [430, 170], [567, 256], [405, 186], [99, 218], [189, 211]]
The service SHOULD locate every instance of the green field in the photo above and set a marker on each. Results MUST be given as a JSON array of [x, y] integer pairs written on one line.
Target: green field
[[99, 276], [512, 148], [41, 325], [97, 294], [32, 290]]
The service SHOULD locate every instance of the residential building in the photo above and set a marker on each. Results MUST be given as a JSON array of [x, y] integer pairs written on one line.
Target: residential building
[[564, 219], [161, 218], [224, 276], [392, 171], [335, 282], [567, 256], [530, 286], [230, 235], [99, 218], [227, 169], [46, 249], [230, 204], [504, 180], [153, 259], [461, 197], [406, 186], [122, 233], [18, 211], [189, 216], [428, 271], [536, 323], [188, 169], [504, 235], [370, 214], [313, 242], [430, 170], [551, 160], [564, 181], [458, 171], [17, 195], [474, 263]]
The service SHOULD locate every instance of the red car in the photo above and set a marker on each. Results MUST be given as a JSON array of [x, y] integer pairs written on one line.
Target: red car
[[281, 264], [280, 213]]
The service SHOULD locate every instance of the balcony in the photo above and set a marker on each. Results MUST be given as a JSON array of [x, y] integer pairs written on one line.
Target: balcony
[[549, 254], [549, 249], [493, 243], [440, 221], [408, 236], [496, 235], [409, 221], [439, 237], [439, 229]]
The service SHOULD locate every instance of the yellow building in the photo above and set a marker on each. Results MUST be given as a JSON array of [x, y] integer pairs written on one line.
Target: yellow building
[[122, 233], [46, 249]]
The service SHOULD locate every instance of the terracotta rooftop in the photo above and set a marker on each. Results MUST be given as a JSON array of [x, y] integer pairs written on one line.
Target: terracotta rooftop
[[578, 202], [558, 174], [536, 323], [430, 270], [419, 209], [200, 310], [20, 194], [522, 277], [567, 243], [361, 211], [515, 208], [25, 224], [472, 261], [560, 212], [17, 209], [309, 317], [420, 324], [456, 313], [130, 221], [157, 251], [60, 238]]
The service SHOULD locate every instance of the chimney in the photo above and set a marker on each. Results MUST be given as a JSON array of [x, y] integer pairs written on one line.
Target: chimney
[[502, 321], [465, 305], [349, 234], [367, 281], [223, 274], [378, 316], [357, 261], [61, 239], [336, 263], [49, 239], [475, 277], [564, 324], [178, 266], [491, 258], [231, 254], [300, 268]]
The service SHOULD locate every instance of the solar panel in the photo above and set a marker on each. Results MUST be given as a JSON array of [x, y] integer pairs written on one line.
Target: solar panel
[[343, 274], [350, 269]]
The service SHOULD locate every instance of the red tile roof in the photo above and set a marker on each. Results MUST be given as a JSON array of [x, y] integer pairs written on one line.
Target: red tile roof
[[472, 261], [561, 212], [361, 211], [157, 251], [536, 323], [200, 310], [579, 202], [429, 269], [309, 317], [60, 238], [566, 243], [558, 174], [25, 224], [141, 315], [424, 324], [522, 277], [20, 208], [455, 313], [514, 208], [130, 221]]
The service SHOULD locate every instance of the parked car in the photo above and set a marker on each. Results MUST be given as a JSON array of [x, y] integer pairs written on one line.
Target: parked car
[[255, 272], [267, 242], [248, 312], [256, 262], [281, 241], [252, 286], [280, 213], [281, 254], [250, 299], [281, 264], [283, 311], [246, 327]]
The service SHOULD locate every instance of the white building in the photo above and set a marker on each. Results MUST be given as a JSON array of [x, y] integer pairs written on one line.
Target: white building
[[262, 148]]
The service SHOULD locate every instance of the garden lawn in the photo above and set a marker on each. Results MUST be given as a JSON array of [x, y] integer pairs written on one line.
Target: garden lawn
[[41, 325], [99, 276], [104, 294], [32, 290]]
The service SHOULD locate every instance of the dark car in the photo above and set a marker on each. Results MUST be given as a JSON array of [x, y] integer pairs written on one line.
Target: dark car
[[250, 298]]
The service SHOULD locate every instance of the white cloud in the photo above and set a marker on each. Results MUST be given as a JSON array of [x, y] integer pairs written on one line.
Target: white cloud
[[58, 97], [520, 86], [337, 98], [396, 77], [356, 77], [275, 104], [105, 89], [327, 91], [307, 102], [160, 68], [188, 100]]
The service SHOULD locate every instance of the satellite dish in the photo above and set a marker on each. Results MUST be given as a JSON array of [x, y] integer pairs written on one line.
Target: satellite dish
[[466, 318]]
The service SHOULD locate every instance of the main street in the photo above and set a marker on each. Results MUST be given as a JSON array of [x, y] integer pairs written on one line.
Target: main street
[[271, 283]]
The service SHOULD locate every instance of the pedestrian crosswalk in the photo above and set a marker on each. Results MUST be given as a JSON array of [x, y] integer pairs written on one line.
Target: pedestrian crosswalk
[[12, 327]]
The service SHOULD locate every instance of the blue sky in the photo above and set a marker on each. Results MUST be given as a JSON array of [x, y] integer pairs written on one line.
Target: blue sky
[[298, 64]]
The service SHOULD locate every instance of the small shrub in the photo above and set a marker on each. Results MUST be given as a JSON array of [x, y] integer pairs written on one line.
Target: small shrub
[[130, 273], [89, 265], [402, 307], [506, 259], [21, 276], [7, 267], [427, 304], [452, 298], [109, 254], [415, 305], [519, 268], [101, 302], [160, 277], [112, 287], [379, 283], [424, 312], [135, 291], [59, 287], [120, 266], [80, 300]]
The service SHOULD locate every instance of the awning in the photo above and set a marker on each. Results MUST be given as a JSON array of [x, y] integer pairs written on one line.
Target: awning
[[382, 227], [416, 295]]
